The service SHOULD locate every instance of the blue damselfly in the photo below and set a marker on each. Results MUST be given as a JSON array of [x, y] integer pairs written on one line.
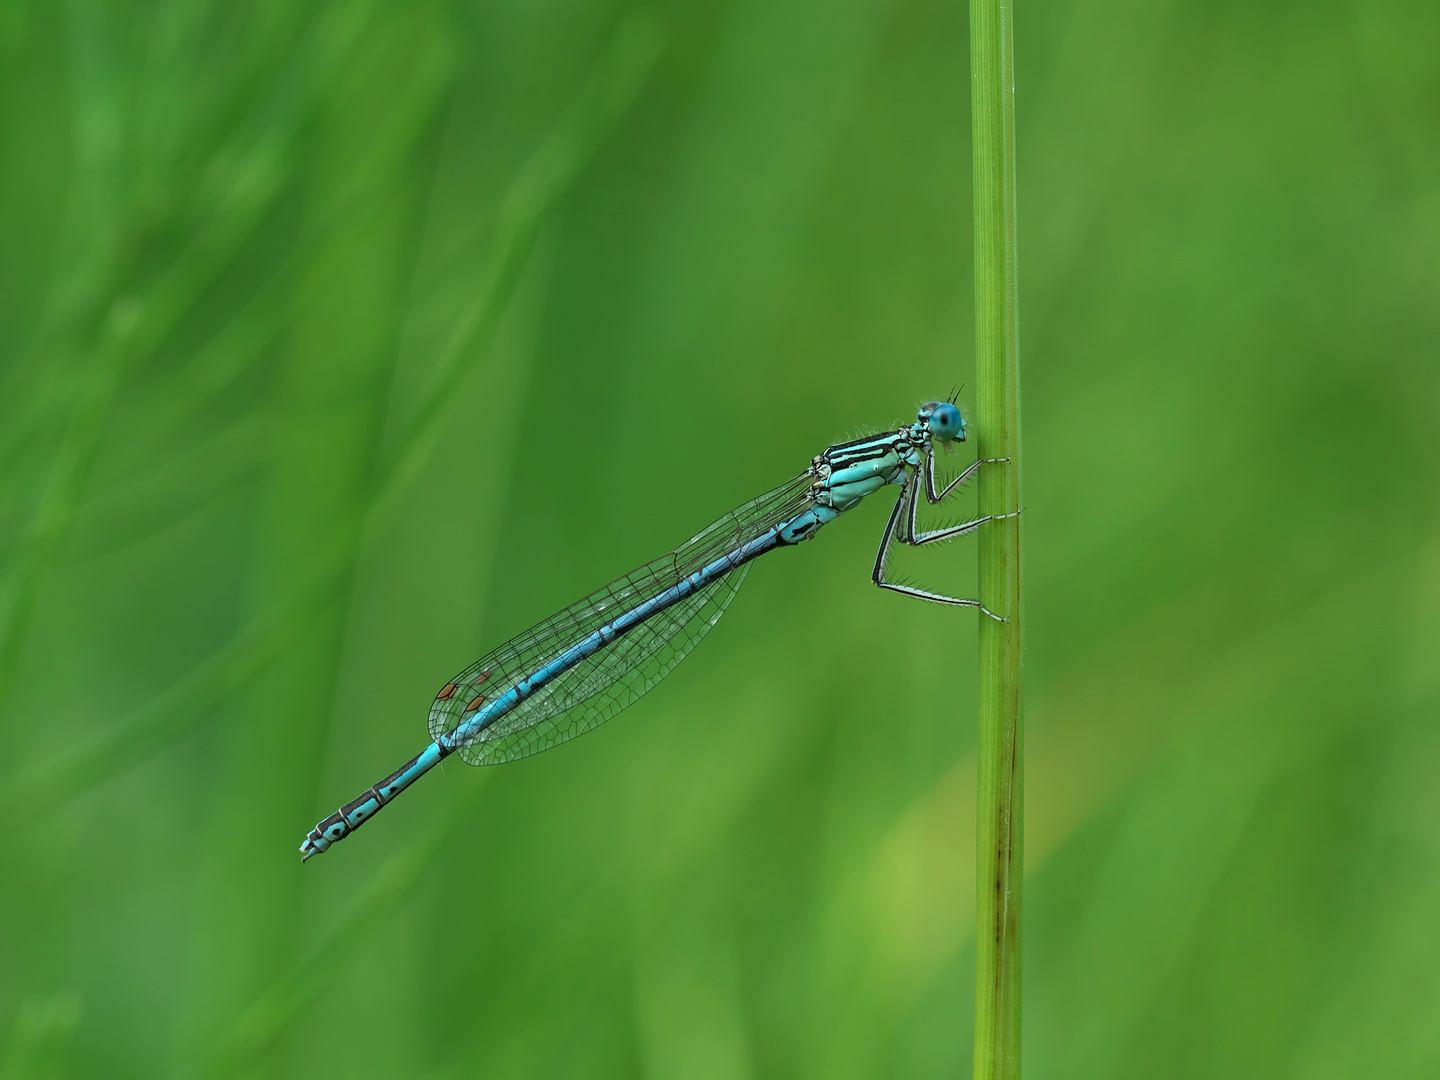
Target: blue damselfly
[[580, 667]]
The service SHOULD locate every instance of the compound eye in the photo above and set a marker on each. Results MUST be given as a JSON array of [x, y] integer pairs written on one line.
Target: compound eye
[[945, 421]]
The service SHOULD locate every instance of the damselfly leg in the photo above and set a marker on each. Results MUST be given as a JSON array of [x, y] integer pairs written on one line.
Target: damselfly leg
[[970, 471], [901, 526]]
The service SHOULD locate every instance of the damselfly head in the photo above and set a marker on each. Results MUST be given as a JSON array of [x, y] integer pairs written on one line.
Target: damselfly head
[[943, 419]]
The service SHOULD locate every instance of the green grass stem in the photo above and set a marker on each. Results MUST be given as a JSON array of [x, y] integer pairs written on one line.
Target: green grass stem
[[999, 841]]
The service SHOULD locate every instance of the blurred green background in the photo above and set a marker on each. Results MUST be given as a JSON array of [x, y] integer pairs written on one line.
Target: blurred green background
[[342, 340]]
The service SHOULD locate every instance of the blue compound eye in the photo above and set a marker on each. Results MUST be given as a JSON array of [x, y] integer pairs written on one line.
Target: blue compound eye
[[946, 422]]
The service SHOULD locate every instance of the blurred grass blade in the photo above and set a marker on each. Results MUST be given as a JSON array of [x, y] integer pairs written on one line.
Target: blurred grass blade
[[271, 1015], [62, 490], [238, 184], [151, 728], [43, 1024], [540, 184], [178, 487]]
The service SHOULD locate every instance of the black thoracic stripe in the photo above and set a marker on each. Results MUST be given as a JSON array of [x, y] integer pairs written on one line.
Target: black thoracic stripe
[[843, 455]]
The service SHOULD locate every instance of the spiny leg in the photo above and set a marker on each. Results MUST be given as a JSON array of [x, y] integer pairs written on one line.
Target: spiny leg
[[970, 471], [908, 495], [914, 539]]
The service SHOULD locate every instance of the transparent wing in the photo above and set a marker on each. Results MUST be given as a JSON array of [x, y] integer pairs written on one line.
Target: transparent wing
[[615, 676], [604, 684]]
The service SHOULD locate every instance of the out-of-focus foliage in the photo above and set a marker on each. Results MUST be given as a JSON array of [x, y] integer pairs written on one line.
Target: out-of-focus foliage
[[343, 339]]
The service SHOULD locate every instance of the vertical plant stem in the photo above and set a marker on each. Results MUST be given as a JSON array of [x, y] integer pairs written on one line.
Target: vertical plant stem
[[1000, 820]]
